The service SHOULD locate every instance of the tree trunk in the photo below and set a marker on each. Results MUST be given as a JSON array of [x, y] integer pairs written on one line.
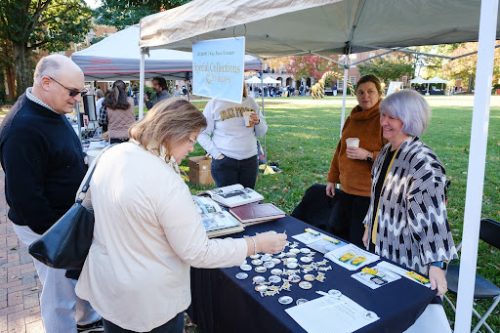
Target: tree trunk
[[24, 69], [11, 83], [2, 86]]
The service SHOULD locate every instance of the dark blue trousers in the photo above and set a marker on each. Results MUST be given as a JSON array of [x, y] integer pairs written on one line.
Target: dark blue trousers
[[229, 171]]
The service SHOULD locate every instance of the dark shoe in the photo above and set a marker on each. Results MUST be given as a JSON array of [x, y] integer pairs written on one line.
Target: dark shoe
[[90, 328]]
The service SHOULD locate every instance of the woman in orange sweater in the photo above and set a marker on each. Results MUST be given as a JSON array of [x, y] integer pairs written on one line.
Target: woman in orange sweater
[[351, 166]]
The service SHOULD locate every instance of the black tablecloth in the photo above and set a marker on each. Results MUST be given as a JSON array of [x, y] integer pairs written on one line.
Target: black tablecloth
[[221, 303]]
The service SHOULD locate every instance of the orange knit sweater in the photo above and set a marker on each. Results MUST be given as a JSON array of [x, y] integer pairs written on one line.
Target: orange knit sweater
[[354, 176]]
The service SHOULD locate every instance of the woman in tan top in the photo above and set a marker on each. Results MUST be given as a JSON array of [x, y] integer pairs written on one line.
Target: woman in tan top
[[148, 231], [120, 112], [351, 166]]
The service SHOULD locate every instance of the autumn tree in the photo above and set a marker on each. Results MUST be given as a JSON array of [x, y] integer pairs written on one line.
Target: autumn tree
[[121, 14], [464, 69], [309, 66], [33, 25]]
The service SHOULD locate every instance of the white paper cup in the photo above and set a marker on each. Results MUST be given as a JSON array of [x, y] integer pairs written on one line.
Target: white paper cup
[[352, 142], [246, 118]]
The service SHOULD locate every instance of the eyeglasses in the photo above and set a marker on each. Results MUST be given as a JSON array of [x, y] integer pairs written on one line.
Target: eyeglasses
[[72, 92]]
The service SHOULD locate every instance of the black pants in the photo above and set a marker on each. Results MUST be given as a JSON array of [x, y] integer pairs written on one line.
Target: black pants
[[229, 171], [341, 215], [174, 325], [118, 140], [352, 210]]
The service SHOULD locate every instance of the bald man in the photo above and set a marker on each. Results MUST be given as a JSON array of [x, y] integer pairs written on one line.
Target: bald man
[[44, 165]]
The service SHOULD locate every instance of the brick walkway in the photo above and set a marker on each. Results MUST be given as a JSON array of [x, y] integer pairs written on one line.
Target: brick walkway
[[19, 284]]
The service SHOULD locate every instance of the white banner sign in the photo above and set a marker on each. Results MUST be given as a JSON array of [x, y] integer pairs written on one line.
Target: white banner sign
[[218, 67]]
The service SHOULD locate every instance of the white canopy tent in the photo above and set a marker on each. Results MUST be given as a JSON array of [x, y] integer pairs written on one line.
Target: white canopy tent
[[418, 80], [288, 27], [437, 80], [270, 80], [253, 80], [118, 57]]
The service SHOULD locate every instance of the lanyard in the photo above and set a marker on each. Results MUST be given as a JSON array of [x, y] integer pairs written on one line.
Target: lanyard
[[375, 223]]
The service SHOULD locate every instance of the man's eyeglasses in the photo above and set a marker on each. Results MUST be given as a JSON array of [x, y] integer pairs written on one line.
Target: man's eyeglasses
[[72, 92]]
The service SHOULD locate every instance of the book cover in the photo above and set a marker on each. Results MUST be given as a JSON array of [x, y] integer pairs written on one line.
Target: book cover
[[217, 222], [234, 195], [257, 213]]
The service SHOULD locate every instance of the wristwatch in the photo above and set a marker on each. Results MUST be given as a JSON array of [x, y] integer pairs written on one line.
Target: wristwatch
[[441, 264], [369, 157]]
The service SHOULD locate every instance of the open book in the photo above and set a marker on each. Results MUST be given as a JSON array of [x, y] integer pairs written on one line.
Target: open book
[[255, 213], [233, 195], [217, 222]]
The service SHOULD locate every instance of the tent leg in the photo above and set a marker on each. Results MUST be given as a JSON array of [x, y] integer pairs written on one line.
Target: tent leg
[[344, 92], [141, 84], [477, 157], [264, 143]]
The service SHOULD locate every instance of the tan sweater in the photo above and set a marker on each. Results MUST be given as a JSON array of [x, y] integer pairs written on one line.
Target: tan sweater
[[354, 175], [119, 121]]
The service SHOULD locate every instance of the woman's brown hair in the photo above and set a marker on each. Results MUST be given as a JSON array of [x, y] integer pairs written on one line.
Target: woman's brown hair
[[168, 122], [373, 79], [116, 98]]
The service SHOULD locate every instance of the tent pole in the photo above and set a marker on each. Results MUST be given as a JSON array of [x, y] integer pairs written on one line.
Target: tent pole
[[262, 89], [264, 145], [477, 157], [141, 83], [344, 92]]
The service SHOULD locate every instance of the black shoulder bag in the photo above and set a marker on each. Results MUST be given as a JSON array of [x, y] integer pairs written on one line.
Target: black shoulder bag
[[66, 244]]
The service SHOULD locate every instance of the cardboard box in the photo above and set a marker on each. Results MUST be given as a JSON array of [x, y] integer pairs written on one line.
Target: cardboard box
[[200, 171]]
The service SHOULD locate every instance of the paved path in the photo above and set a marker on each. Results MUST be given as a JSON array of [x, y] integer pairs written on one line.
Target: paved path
[[19, 284]]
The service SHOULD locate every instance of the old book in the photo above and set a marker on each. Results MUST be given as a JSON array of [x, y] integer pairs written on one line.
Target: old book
[[257, 213], [217, 221], [233, 195]]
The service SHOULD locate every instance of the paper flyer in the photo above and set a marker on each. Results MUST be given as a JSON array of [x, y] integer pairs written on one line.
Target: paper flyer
[[326, 244], [413, 276], [376, 276], [324, 313], [351, 257], [309, 237]]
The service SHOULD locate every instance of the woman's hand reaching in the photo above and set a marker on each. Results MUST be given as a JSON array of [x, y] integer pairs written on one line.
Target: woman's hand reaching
[[267, 242]]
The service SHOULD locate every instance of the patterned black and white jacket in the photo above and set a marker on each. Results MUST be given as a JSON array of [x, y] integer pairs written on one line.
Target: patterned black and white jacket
[[413, 227]]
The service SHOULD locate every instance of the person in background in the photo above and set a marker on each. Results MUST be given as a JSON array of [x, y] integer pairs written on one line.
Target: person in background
[[138, 268], [44, 165], [351, 166], [99, 95], [118, 112], [232, 143], [161, 89], [177, 91]]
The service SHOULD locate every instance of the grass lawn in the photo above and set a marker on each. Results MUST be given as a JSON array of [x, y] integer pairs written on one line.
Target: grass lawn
[[303, 134]]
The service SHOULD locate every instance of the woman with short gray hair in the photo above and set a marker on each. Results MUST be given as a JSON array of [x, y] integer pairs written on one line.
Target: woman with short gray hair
[[406, 221]]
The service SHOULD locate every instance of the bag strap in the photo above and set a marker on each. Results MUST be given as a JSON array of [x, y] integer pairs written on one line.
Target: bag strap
[[84, 186]]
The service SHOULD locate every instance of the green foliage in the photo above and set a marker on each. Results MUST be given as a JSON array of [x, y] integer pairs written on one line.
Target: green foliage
[[124, 13], [51, 25], [387, 69]]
